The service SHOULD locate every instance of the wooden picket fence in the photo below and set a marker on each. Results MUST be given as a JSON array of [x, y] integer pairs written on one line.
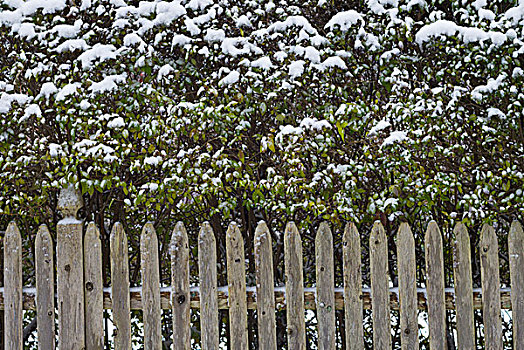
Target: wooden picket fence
[[81, 297]]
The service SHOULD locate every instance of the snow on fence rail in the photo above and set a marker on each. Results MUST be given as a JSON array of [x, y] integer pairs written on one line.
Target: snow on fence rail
[[81, 297]]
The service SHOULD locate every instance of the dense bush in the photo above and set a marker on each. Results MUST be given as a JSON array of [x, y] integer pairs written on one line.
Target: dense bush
[[289, 110]]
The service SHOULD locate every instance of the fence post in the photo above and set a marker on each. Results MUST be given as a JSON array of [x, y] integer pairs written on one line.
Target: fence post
[[13, 287], [325, 296], [180, 297], [352, 271], [70, 272], [45, 289], [378, 256], [435, 287]]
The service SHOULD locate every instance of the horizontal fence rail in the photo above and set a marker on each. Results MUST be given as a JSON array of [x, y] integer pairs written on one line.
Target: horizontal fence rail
[[29, 294], [81, 298]]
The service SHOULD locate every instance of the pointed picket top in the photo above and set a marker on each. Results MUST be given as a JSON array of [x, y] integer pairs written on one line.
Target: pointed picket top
[[13, 287], [378, 256], [352, 271], [265, 288], [489, 266], [463, 288], [207, 268], [407, 283], [516, 265], [325, 296], [180, 298]]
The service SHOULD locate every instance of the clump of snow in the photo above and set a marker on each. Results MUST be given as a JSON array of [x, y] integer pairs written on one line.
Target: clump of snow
[[449, 28], [117, 122], [243, 22], [492, 85], [381, 125], [315, 124], [164, 71], [67, 90], [98, 52], [167, 12], [72, 45], [230, 79], [109, 83], [344, 20], [180, 40], [295, 69], [47, 90], [395, 136], [263, 63]]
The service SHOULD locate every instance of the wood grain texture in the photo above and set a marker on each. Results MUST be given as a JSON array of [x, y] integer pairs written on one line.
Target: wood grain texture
[[267, 338], [378, 255], [489, 266], [325, 270], [516, 266], [13, 288], [463, 288], [296, 326], [150, 288], [180, 298], [207, 267], [435, 288], [94, 289], [236, 279], [45, 289], [407, 283], [351, 260], [120, 288], [70, 284]]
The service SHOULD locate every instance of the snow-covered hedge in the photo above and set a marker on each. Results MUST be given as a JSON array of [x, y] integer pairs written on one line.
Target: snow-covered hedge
[[305, 109]]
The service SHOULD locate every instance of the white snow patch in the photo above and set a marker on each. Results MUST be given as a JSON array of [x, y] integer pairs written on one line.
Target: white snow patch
[[229, 79], [344, 20]]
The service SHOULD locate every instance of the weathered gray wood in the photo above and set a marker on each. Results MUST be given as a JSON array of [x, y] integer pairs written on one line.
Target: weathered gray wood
[[13, 287], [180, 284], [267, 338], [207, 267], [70, 272], [378, 255], [296, 326], [489, 266], [120, 288], [94, 289], [236, 279], [150, 288], [407, 283], [516, 267], [351, 260], [435, 288], [325, 287], [463, 288], [45, 289]]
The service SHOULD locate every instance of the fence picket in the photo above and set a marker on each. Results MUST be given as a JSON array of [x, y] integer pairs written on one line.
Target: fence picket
[[267, 338], [180, 298], [435, 288], [378, 255], [296, 326], [13, 288], [94, 289], [120, 288], [489, 266], [351, 256], [325, 298], [70, 272], [150, 288], [516, 266], [463, 288], [207, 267], [45, 289], [407, 283], [236, 279]]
